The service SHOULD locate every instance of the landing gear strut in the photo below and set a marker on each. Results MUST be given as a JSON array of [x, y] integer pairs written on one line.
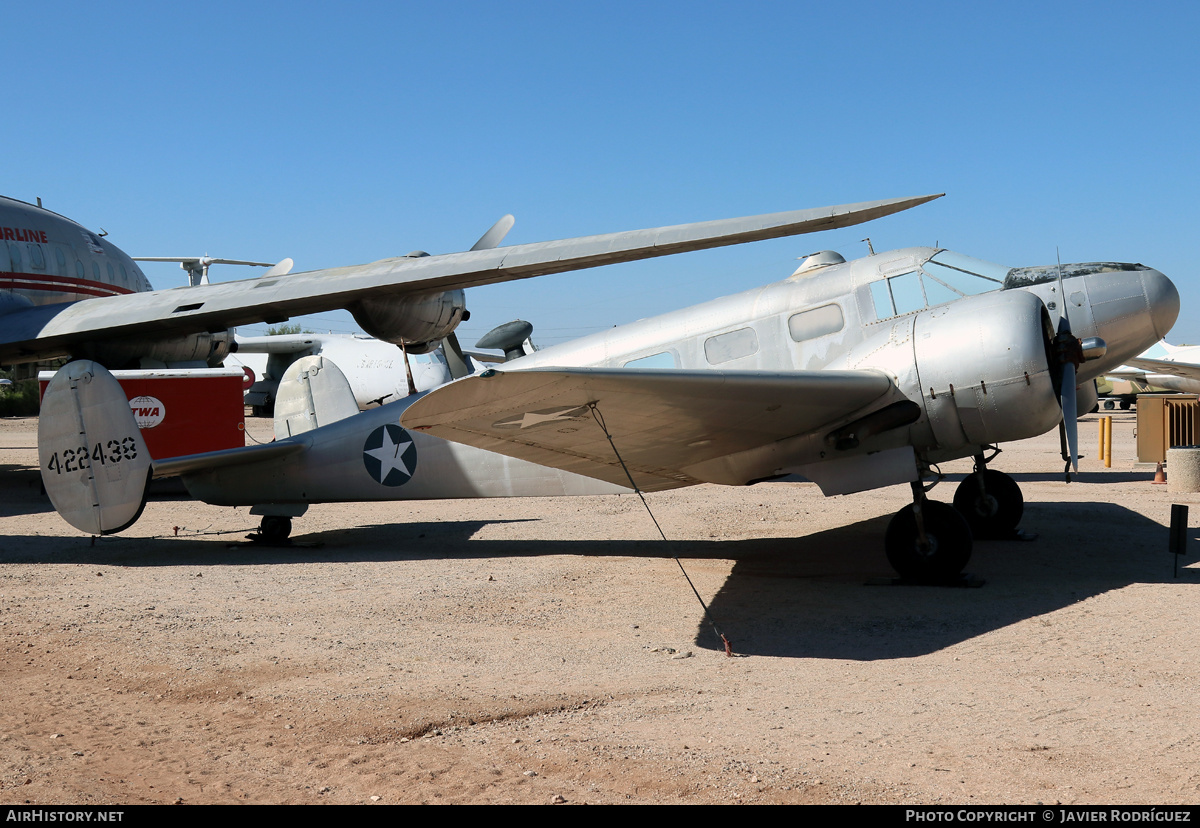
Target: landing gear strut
[[991, 501], [928, 541]]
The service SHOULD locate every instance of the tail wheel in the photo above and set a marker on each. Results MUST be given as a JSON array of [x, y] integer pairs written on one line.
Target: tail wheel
[[275, 529], [944, 552]]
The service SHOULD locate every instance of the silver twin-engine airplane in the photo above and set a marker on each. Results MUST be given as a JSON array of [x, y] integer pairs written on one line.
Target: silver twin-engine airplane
[[854, 375]]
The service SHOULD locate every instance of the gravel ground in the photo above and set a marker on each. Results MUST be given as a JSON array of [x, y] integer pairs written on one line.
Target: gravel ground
[[545, 650]]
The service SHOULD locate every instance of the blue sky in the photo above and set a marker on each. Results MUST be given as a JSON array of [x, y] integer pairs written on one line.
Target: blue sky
[[344, 134]]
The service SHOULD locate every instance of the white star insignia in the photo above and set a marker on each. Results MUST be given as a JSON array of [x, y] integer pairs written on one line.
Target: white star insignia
[[532, 418], [390, 456]]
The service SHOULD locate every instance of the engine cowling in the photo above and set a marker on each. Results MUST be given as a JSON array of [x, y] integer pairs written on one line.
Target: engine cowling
[[984, 371], [201, 348], [978, 367], [419, 321]]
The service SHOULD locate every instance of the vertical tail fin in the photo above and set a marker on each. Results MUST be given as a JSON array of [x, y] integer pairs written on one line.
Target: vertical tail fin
[[94, 462]]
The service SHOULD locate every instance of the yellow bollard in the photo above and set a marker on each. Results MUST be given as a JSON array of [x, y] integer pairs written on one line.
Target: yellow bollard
[[1108, 442]]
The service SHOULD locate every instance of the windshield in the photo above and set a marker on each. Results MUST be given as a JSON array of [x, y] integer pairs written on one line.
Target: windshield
[[963, 275], [947, 276]]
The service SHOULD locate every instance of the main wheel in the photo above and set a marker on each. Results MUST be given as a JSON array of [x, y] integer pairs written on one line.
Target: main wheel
[[945, 552], [995, 512], [275, 529]]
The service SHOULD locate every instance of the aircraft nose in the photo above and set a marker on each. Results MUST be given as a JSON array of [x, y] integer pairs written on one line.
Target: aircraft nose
[[1163, 299]]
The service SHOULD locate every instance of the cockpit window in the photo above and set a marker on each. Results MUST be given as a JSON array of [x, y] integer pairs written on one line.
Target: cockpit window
[[963, 275], [944, 278]]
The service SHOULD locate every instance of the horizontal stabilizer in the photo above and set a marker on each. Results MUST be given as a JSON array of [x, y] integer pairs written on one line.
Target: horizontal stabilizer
[[240, 456]]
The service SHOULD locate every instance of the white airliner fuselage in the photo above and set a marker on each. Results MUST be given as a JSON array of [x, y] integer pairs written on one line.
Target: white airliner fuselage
[[47, 259]]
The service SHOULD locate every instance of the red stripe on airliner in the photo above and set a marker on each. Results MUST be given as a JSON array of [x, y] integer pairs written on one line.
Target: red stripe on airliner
[[58, 284]]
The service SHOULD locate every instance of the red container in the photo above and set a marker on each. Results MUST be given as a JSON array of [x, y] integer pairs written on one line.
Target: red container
[[183, 410]]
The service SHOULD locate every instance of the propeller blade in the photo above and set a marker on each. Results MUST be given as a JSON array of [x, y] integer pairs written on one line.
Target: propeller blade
[[281, 269], [455, 361], [1069, 355], [1070, 418], [494, 236]]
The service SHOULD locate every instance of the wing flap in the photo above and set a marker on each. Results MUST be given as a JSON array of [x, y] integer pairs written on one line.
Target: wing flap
[[662, 422]]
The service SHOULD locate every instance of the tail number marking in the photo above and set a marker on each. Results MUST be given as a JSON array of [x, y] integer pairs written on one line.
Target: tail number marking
[[80, 459]]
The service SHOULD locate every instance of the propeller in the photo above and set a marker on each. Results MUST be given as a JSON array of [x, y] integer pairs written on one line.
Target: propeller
[[456, 361], [1068, 353]]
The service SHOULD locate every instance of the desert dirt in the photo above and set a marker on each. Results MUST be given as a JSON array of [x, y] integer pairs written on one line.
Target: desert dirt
[[546, 650]]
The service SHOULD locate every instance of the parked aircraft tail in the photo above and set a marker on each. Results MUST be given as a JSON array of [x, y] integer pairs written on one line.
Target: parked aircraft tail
[[95, 465]]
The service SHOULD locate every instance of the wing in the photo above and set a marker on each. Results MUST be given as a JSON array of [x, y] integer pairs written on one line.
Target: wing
[[52, 329], [663, 422], [1186, 370]]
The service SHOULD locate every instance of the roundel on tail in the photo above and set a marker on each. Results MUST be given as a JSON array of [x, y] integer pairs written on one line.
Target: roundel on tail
[[390, 455]]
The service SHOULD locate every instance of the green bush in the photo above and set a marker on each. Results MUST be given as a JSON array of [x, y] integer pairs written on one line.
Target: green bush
[[19, 399]]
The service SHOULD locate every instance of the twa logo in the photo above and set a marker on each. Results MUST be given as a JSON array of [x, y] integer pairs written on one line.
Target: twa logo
[[147, 411]]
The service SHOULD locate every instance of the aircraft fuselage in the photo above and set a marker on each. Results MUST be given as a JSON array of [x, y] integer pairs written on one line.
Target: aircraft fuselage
[[976, 363], [48, 259]]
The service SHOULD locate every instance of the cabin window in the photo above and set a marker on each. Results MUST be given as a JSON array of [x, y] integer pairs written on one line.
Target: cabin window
[[666, 359], [817, 322], [62, 259], [730, 346], [36, 258], [96, 271], [112, 276], [79, 271]]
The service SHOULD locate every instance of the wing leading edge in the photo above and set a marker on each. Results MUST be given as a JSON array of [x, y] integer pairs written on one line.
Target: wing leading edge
[[50, 330], [663, 422]]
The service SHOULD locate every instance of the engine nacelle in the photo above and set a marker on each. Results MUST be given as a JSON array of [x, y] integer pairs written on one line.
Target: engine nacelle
[[984, 370], [201, 348], [978, 367], [420, 321]]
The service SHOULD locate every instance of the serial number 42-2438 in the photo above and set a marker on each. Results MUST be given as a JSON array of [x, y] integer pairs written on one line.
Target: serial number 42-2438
[[78, 459]]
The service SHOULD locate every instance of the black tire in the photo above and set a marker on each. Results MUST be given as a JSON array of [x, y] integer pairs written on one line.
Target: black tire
[[947, 552], [1126, 405], [997, 514], [1109, 405], [275, 529]]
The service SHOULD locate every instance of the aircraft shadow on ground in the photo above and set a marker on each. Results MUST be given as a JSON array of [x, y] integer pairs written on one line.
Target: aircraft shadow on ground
[[1098, 477], [1086, 476], [824, 595], [21, 491], [812, 602]]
